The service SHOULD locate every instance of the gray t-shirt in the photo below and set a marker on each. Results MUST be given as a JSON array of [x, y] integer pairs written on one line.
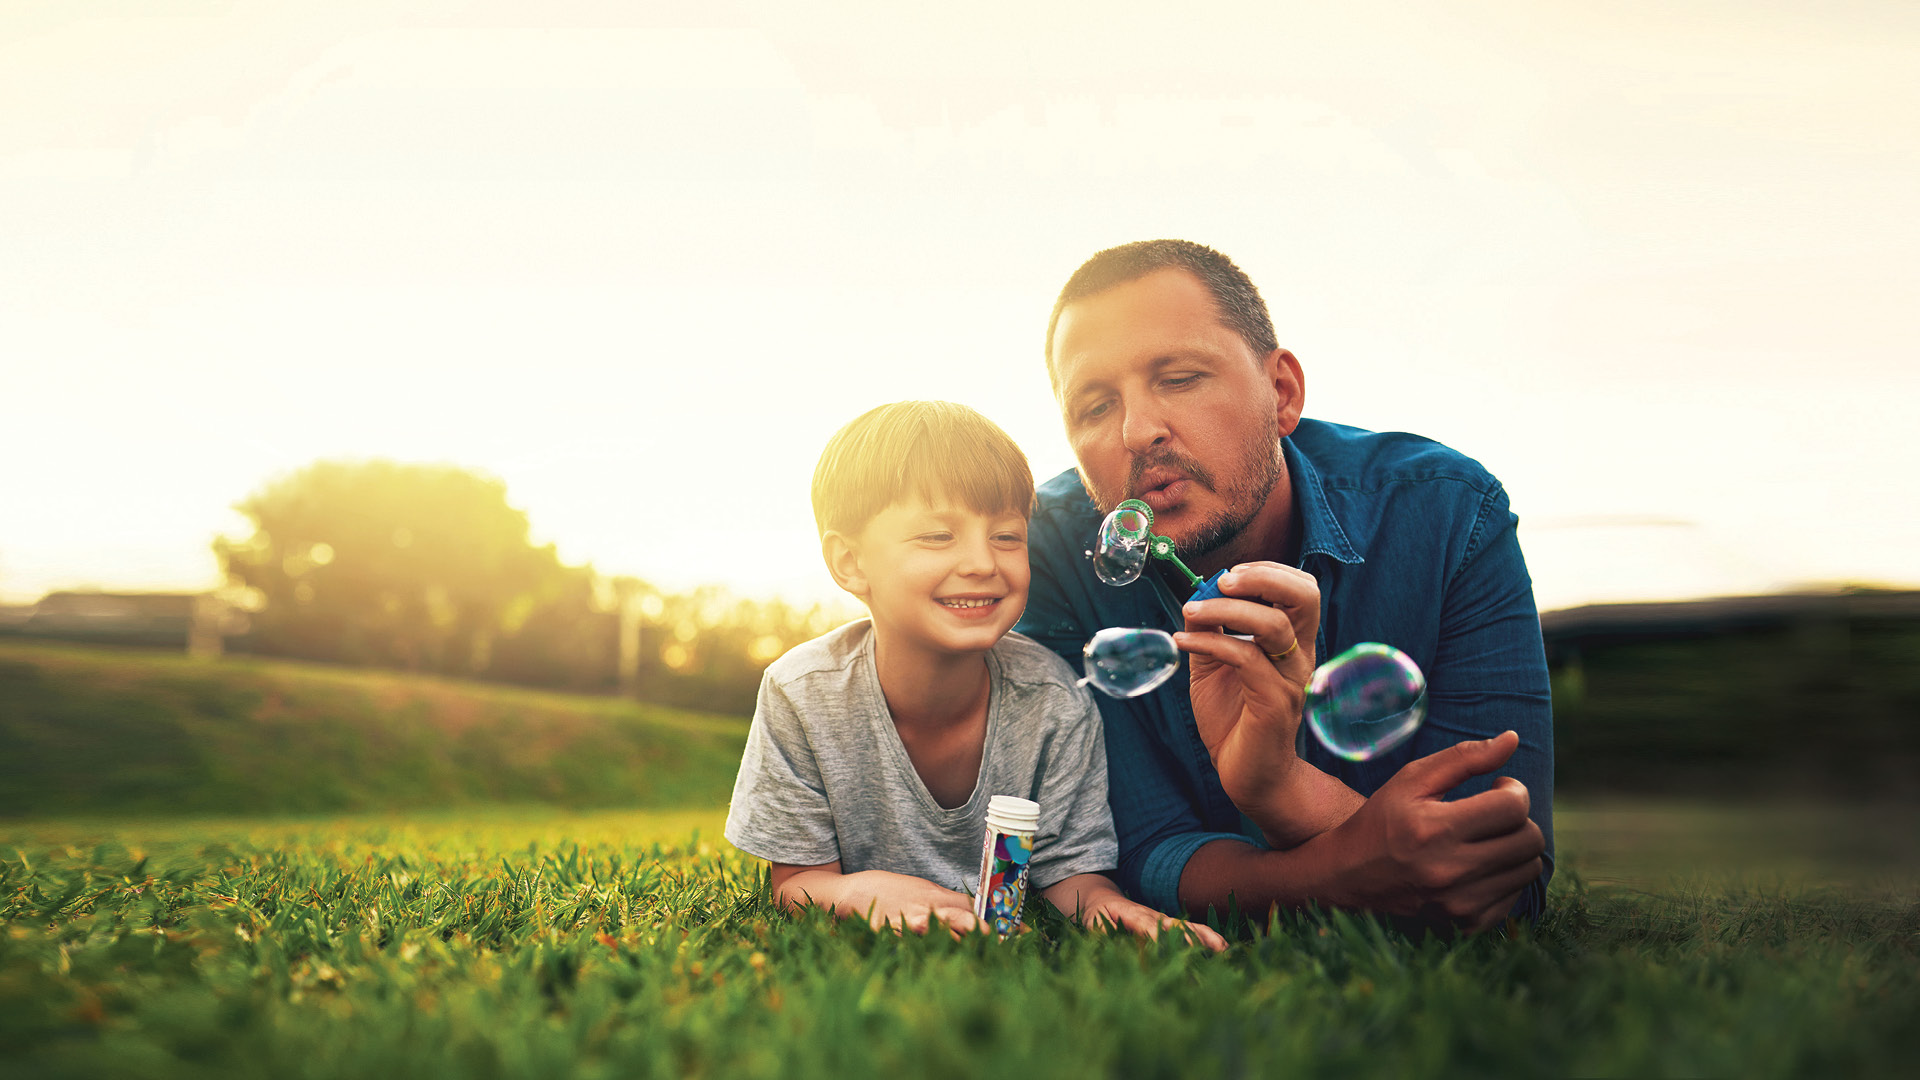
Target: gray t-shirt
[[826, 777]]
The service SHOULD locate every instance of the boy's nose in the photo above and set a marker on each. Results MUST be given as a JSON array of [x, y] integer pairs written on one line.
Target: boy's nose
[[976, 558]]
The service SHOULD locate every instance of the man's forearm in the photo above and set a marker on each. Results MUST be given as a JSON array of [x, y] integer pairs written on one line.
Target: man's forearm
[[1407, 851], [1258, 880], [1310, 804]]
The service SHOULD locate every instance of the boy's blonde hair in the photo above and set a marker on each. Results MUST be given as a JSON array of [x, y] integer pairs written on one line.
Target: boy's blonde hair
[[933, 449]]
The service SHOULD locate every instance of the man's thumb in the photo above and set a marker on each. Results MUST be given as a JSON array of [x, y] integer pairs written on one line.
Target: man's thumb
[[1441, 772]]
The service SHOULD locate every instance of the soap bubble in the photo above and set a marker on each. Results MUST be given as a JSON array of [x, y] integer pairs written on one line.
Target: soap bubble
[[1366, 701], [1125, 662], [1120, 553]]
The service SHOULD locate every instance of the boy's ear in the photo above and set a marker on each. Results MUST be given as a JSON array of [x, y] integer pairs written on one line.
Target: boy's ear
[[843, 562]]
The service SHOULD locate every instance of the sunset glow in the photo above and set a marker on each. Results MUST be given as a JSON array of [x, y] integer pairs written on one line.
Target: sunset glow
[[639, 267]]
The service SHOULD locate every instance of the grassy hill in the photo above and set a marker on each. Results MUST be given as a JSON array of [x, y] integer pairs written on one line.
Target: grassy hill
[[90, 730]]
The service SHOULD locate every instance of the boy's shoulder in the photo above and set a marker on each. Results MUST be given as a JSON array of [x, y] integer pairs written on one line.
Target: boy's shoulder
[[1025, 661], [834, 651]]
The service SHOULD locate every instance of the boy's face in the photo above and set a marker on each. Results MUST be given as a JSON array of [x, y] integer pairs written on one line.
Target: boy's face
[[941, 577]]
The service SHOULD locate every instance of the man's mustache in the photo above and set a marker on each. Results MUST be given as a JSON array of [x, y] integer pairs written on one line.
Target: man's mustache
[[1169, 459]]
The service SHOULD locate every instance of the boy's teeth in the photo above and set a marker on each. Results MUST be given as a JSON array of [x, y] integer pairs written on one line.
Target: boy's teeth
[[966, 603]]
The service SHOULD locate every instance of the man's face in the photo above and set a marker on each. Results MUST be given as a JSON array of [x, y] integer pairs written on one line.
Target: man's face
[[1164, 403]]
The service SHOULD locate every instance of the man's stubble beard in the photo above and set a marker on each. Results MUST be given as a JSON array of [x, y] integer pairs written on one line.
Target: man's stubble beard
[[1249, 485]]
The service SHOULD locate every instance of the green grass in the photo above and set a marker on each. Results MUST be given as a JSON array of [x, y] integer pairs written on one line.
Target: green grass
[[117, 732], [511, 944]]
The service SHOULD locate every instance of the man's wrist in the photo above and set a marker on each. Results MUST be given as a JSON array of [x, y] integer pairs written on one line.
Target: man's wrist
[[1307, 803]]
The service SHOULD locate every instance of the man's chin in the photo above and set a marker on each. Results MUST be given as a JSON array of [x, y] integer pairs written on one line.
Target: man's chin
[[1195, 534]]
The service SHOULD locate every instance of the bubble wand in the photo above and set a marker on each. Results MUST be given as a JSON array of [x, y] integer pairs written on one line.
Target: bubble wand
[[1127, 540]]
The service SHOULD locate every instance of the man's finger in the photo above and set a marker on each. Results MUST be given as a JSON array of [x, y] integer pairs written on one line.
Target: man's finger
[[1231, 616], [1275, 584], [1502, 853], [1441, 772], [1491, 813], [1198, 933], [1492, 898], [1243, 656]]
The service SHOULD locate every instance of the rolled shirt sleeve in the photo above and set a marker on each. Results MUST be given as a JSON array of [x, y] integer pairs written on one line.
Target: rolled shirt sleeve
[[1490, 675]]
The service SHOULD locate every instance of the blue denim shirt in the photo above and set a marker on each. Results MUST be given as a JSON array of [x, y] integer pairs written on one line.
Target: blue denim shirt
[[1413, 545]]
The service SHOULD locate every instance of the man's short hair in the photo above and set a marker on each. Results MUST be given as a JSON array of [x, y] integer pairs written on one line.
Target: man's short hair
[[933, 449], [1241, 308]]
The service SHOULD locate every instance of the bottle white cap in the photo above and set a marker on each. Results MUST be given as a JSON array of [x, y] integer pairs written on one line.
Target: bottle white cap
[[1012, 814]]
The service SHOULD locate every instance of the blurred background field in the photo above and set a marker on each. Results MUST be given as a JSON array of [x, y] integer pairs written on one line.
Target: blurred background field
[[1779, 754], [1801, 700]]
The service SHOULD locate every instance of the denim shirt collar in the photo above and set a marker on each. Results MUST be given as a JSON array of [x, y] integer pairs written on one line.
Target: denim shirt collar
[[1320, 531]]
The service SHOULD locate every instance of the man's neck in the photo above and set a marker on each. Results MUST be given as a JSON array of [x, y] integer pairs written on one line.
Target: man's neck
[[1274, 534]]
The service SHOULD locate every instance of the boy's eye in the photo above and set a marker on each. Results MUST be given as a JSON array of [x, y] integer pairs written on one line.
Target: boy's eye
[[936, 537]]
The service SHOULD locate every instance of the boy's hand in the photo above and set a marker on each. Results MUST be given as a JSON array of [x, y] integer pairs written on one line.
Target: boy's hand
[[1098, 903], [911, 903], [883, 899]]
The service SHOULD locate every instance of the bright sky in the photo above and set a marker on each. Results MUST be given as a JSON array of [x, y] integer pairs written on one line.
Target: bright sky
[[1654, 263]]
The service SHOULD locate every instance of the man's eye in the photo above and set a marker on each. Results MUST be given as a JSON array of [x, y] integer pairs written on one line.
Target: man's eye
[[1095, 411], [1180, 382]]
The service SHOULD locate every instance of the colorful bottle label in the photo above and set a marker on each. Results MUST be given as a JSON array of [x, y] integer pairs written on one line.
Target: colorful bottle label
[[1003, 880]]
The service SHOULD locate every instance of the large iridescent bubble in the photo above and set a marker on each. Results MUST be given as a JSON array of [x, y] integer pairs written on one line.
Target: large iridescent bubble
[[1366, 701], [1126, 662], [1120, 552]]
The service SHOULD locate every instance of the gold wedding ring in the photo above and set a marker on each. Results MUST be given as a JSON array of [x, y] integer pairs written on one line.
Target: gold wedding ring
[[1276, 657]]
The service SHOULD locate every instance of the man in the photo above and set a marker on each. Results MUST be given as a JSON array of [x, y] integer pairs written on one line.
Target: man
[[1174, 390]]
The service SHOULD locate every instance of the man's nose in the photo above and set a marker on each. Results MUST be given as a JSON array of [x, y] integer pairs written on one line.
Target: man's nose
[[1142, 427]]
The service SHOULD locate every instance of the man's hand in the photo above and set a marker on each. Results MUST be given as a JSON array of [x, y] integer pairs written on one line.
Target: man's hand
[[901, 901], [1405, 852], [1099, 905], [1459, 864], [1247, 695]]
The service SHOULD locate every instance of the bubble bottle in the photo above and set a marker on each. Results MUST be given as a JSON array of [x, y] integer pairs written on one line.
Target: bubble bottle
[[1012, 824]]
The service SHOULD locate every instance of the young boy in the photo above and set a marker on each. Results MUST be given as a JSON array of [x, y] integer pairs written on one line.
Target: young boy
[[875, 748]]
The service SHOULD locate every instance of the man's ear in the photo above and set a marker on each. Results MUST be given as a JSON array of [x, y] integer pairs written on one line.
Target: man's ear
[[1289, 388], [843, 562]]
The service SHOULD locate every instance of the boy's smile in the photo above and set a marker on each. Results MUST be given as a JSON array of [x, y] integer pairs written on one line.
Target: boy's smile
[[942, 578]]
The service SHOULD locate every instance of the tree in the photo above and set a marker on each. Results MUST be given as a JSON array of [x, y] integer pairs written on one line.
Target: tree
[[414, 566]]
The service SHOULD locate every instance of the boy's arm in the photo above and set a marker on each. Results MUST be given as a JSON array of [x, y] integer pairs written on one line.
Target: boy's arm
[[1096, 901], [880, 897]]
